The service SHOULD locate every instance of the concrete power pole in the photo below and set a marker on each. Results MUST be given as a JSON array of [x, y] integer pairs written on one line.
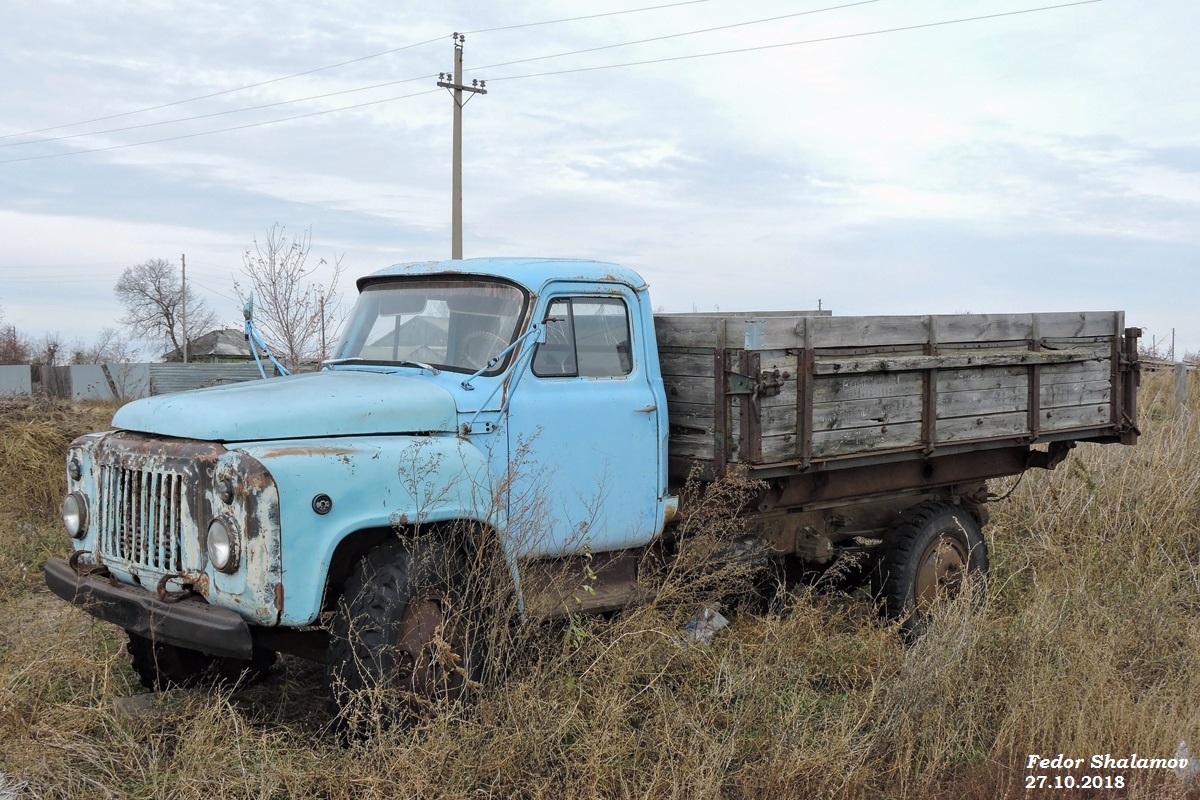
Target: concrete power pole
[[457, 89], [183, 303]]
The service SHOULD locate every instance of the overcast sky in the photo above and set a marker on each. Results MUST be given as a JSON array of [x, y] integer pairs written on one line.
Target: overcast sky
[[1044, 161]]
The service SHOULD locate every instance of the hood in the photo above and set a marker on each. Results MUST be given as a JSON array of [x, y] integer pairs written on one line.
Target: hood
[[327, 403]]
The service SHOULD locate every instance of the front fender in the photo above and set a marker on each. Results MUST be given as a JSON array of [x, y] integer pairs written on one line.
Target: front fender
[[372, 482]]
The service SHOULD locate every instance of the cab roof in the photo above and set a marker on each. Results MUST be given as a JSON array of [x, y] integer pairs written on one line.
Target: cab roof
[[532, 273]]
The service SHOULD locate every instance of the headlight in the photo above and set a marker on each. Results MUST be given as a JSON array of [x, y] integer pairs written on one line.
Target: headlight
[[75, 514], [223, 544]]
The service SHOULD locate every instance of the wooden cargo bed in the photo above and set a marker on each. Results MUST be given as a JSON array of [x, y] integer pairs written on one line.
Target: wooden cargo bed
[[789, 394]]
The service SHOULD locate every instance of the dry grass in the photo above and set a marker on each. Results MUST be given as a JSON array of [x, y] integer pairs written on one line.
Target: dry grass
[[1083, 641]]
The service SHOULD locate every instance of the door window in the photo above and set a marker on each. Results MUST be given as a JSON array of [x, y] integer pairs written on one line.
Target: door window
[[586, 337]]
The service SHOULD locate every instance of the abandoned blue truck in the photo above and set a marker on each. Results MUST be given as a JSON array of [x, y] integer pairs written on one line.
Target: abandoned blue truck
[[541, 407]]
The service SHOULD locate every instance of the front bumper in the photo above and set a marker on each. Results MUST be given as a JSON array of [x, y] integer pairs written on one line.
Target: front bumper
[[190, 623]]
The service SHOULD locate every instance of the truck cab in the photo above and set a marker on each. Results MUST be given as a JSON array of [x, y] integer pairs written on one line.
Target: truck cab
[[520, 397]]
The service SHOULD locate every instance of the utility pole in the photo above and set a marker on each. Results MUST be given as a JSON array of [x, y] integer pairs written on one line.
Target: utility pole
[[457, 89], [183, 303]]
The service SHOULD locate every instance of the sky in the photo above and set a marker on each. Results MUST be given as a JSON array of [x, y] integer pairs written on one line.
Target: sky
[[881, 157]]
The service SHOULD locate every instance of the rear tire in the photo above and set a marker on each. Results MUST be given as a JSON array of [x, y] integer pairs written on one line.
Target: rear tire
[[927, 555], [162, 666]]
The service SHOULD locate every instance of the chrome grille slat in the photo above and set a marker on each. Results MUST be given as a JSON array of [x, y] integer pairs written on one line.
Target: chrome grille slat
[[141, 517]]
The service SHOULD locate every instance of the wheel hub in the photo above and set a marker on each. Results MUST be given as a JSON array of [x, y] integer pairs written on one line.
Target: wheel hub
[[940, 569]]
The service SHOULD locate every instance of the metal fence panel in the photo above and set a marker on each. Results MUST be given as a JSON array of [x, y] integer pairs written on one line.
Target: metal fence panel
[[88, 383], [15, 379], [167, 378]]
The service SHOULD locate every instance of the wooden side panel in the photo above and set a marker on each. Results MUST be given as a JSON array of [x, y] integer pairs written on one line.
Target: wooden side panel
[[830, 388], [689, 382]]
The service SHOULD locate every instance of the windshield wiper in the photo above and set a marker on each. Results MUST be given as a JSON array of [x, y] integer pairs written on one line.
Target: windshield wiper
[[333, 362]]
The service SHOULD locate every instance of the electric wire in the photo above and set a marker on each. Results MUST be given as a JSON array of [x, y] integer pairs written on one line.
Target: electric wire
[[585, 17], [219, 130], [672, 36], [777, 45], [431, 76], [218, 113], [223, 91], [335, 66], [644, 62]]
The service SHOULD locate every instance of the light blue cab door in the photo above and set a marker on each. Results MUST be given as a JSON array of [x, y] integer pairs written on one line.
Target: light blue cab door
[[584, 430]]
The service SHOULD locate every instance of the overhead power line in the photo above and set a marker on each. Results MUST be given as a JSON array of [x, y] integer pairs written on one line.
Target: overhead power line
[[220, 130], [222, 92], [798, 43], [329, 67], [667, 59], [428, 77], [664, 37], [586, 16], [219, 113]]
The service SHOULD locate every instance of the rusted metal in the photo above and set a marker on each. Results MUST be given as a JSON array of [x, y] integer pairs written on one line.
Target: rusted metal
[[751, 429], [806, 377], [168, 596], [1127, 375], [817, 488], [929, 391], [940, 569], [96, 569], [1034, 384], [721, 405]]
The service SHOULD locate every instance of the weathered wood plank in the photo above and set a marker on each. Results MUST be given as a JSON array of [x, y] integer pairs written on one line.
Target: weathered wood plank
[[836, 388], [687, 364], [686, 330], [683, 389], [789, 332], [1087, 393], [964, 429], [855, 440], [694, 416], [1059, 419], [695, 446], [982, 379], [1076, 373], [974, 404], [947, 360]]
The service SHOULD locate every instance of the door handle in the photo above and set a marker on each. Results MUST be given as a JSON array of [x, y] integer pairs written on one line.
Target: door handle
[[648, 409]]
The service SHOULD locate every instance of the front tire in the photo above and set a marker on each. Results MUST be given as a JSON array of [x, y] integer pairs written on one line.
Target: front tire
[[160, 666], [927, 555], [401, 641]]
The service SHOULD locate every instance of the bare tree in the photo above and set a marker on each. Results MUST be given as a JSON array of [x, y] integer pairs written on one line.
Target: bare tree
[[48, 351], [152, 294], [110, 347], [297, 317], [15, 347]]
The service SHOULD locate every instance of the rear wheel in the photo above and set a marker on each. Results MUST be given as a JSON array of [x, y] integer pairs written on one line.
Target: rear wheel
[[927, 555], [162, 666], [401, 640]]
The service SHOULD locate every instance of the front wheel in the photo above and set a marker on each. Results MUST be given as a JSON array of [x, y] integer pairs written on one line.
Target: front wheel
[[161, 666], [401, 640], [927, 555]]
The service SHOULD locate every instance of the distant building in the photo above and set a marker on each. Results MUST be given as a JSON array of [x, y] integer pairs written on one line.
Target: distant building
[[227, 345]]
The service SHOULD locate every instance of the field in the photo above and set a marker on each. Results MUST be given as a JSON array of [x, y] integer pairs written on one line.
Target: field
[[1084, 640]]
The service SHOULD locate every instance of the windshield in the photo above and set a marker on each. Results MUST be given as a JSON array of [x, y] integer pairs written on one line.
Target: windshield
[[452, 324]]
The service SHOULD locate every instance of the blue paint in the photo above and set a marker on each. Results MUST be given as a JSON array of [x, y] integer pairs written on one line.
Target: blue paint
[[520, 394]]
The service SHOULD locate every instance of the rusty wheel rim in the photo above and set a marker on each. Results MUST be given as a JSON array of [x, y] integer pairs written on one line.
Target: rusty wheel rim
[[429, 659], [940, 569]]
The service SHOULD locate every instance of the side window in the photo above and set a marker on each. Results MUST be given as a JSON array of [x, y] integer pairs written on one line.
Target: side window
[[586, 337]]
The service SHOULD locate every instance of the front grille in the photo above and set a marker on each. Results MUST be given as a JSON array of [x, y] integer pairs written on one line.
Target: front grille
[[140, 516]]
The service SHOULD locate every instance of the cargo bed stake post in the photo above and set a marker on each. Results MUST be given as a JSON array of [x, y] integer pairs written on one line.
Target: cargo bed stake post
[[1035, 382], [929, 378]]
